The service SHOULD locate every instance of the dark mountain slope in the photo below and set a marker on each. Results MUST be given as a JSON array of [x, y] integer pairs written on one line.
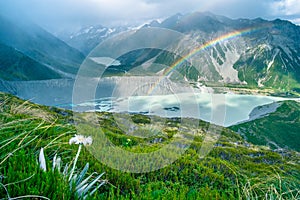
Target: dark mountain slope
[[35, 42], [14, 65]]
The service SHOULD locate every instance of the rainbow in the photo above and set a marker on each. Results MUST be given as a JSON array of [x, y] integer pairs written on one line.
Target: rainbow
[[206, 45]]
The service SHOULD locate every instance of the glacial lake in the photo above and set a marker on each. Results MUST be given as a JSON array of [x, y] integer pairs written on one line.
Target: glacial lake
[[220, 109], [131, 95]]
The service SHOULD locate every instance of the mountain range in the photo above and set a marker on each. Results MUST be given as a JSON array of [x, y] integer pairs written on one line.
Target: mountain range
[[267, 56]]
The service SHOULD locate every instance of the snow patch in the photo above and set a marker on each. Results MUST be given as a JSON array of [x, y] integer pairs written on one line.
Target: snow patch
[[101, 30], [272, 61], [226, 69], [259, 82]]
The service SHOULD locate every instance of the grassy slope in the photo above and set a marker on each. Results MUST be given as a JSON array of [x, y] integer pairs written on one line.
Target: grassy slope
[[232, 170], [281, 127]]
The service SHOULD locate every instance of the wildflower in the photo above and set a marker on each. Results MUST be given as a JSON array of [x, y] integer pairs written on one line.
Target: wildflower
[[56, 163], [80, 139], [42, 160]]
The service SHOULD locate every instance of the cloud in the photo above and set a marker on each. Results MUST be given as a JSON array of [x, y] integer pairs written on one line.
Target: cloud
[[296, 21], [79, 11], [61, 13], [287, 7]]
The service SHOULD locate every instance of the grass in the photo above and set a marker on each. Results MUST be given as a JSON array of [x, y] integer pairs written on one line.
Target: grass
[[234, 169]]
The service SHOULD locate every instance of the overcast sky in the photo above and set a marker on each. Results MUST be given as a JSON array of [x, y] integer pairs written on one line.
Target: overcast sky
[[56, 14]]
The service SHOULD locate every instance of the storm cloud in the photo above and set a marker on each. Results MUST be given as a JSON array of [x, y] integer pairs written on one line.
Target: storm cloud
[[53, 14]]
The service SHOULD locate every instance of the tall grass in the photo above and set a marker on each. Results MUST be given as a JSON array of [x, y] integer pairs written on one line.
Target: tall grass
[[25, 128]]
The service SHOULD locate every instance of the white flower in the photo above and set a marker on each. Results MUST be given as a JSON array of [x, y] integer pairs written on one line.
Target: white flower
[[56, 162], [42, 160], [80, 139]]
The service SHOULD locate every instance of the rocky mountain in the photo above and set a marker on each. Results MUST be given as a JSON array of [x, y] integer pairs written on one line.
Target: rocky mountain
[[87, 38], [26, 39], [266, 56], [256, 53]]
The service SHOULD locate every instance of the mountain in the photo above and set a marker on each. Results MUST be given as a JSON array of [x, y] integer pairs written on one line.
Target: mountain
[[87, 38], [279, 129], [258, 54], [268, 56], [39, 45], [198, 21], [14, 65]]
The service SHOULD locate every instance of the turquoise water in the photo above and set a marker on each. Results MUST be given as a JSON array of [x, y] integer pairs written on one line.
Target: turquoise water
[[220, 109]]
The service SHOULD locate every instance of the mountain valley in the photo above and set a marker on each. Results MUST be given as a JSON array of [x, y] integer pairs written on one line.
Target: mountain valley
[[194, 106]]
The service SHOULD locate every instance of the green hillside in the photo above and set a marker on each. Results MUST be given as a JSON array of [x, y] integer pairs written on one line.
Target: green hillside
[[234, 169], [14, 65], [277, 130]]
